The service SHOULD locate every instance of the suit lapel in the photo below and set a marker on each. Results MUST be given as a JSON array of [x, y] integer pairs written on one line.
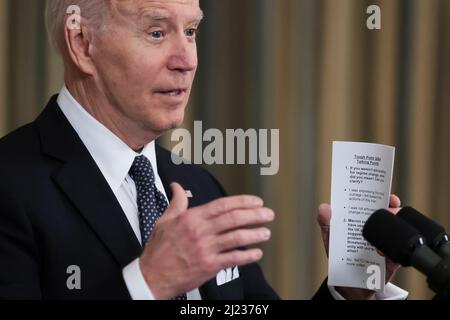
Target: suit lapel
[[83, 183], [169, 173], [79, 178]]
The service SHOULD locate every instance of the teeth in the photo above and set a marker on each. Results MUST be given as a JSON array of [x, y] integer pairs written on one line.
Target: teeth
[[174, 93]]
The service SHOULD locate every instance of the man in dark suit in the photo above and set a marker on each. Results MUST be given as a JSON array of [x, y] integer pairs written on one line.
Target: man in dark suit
[[84, 190]]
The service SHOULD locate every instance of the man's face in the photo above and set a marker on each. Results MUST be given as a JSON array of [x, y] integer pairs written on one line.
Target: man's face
[[146, 61]]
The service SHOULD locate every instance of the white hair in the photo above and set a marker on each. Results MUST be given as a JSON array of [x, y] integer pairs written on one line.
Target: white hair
[[94, 11]]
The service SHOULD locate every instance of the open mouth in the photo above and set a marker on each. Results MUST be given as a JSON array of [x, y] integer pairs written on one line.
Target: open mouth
[[172, 93]]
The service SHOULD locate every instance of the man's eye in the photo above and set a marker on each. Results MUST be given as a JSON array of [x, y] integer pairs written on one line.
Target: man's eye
[[191, 32], [157, 34]]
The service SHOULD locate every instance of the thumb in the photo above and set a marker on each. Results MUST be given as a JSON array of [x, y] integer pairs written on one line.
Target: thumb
[[179, 201], [324, 219]]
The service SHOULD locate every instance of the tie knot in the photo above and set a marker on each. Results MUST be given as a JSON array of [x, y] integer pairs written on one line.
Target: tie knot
[[142, 172]]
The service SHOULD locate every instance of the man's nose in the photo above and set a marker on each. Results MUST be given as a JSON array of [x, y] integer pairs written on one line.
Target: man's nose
[[183, 57]]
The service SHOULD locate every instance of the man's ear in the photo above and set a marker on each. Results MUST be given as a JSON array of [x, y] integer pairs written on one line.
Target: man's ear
[[78, 42]]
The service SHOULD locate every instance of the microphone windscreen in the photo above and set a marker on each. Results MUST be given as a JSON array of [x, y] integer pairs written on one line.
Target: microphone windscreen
[[392, 236], [432, 231]]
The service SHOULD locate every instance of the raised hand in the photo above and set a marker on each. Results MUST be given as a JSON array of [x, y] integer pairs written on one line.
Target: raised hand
[[190, 246], [324, 218]]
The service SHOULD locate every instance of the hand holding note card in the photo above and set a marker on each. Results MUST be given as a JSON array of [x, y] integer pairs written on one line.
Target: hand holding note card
[[361, 184]]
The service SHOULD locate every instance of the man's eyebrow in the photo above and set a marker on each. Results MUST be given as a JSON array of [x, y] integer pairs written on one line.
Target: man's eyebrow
[[155, 15], [161, 16], [200, 17]]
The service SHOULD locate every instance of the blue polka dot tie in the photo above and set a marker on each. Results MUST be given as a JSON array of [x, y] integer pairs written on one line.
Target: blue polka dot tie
[[151, 202]]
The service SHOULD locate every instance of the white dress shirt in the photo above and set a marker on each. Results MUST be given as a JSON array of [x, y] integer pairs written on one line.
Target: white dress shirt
[[391, 292], [114, 159]]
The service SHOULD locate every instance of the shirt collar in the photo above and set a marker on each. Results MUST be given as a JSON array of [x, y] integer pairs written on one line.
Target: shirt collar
[[113, 157]]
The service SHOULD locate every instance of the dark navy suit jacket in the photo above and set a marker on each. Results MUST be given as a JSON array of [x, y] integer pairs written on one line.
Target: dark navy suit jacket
[[57, 210]]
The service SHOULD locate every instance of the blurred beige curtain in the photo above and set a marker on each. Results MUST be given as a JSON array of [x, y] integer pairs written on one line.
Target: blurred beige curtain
[[33, 71], [310, 68], [313, 69], [390, 86], [3, 63]]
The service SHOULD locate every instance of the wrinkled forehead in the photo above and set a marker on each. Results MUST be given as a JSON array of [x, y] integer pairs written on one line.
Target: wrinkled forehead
[[164, 9]]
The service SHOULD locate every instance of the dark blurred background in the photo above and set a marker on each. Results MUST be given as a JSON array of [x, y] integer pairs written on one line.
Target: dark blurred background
[[310, 68]]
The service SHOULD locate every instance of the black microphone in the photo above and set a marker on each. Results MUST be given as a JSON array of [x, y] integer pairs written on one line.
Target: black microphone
[[405, 245], [437, 237], [399, 241]]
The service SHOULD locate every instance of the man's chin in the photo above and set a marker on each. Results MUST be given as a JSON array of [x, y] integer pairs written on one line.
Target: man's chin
[[175, 121], [165, 126]]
